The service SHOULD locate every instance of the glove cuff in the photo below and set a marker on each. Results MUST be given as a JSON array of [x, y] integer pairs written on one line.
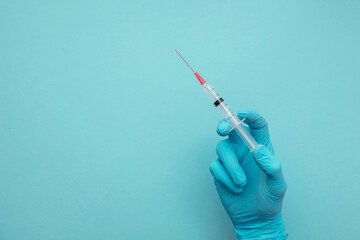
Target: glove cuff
[[274, 230]]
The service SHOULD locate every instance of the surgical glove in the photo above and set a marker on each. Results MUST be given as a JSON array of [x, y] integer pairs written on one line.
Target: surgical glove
[[251, 186]]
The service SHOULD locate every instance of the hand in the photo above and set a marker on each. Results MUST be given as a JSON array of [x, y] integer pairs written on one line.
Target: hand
[[251, 186]]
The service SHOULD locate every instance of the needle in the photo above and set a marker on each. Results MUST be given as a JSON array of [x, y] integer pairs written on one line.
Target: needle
[[201, 80], [185, 61]]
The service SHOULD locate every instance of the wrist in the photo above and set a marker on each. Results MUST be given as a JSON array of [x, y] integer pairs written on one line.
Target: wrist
[[268, 230]]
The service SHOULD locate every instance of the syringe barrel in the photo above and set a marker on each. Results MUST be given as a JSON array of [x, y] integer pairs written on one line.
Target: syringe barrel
[[233, 120]]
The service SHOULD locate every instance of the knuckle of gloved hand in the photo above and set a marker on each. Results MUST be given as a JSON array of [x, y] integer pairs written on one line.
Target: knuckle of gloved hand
[[280, 189], [283, 189], [243, 180], [223, 127], [220, 146], [275, 167], [260, 120], [238, 189], [264, 122], [213, 167]]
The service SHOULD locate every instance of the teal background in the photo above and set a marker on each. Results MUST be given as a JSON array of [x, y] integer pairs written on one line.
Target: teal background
[[105, 133]]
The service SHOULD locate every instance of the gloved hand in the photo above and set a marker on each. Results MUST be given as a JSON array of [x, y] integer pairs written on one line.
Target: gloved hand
[[251, 186]]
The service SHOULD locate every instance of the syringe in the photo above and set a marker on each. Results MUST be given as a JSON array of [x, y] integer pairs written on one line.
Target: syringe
[[233, 120]]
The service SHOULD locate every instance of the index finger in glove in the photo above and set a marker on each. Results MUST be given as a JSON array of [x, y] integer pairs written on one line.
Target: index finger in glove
[[257, 124]]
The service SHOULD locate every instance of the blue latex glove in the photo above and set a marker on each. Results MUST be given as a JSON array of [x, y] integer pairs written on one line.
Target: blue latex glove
[[251, 186]]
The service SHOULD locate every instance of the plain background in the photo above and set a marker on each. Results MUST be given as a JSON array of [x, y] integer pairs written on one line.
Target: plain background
[[105, 133]]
